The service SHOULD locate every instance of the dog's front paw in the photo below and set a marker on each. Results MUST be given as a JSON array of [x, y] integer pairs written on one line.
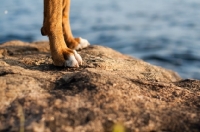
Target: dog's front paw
[[83, 43], [74, 60], [67, 58], [78, 57], [71, 62]]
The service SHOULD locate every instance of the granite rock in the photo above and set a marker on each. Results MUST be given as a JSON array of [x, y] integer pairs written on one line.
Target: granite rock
[[108, 89]]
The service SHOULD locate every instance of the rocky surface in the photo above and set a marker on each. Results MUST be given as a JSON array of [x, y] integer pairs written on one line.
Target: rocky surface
[[108, 89]]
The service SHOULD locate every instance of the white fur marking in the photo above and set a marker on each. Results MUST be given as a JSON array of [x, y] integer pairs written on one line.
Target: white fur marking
[[83, 43], [71, 62], [78, 57]]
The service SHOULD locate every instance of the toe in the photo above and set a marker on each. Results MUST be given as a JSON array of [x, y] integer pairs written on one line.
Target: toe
[[71, 62], [78, 57]]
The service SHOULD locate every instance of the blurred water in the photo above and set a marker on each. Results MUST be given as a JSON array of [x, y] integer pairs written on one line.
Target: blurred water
[[162, 32]]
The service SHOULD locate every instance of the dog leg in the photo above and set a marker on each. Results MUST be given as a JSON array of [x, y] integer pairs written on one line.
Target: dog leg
[[73, 43], [52, 27]]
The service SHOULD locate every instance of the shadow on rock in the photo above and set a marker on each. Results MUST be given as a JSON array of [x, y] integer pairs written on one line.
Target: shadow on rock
[[77, 82]]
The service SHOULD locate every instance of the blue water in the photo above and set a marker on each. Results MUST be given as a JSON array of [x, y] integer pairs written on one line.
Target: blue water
[[162, 32]]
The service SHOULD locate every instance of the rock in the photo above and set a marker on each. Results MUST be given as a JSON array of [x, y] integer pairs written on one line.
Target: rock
[[108, 89]]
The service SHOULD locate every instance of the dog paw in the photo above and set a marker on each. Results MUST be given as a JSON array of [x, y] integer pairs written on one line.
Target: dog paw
[[71, 62], [74, 60], [78, 57], [82, 44]]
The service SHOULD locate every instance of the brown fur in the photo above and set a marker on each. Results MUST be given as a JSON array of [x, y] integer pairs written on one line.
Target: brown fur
[[56, 26]]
